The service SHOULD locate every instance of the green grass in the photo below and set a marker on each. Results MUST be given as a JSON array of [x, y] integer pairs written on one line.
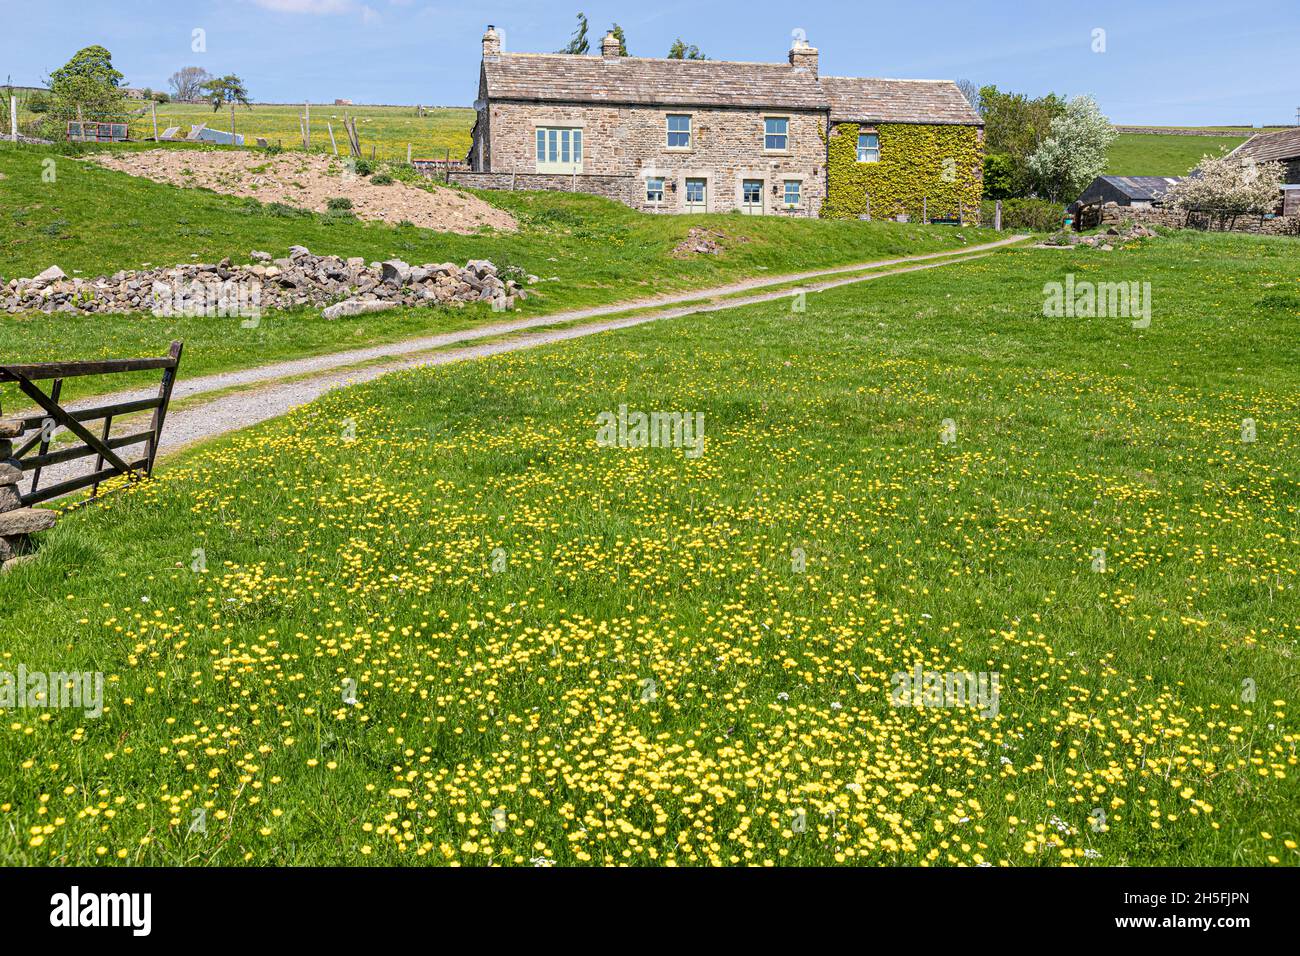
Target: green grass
[[388, 129], [1152, 154], [642, 673], [93, 221]]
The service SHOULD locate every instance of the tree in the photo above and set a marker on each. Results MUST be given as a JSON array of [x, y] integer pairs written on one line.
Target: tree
[[86, 87], [227, 89], [187, 83], [1075, 151], [622, 40], [999, 176], [578, 44], [971, 92], [680, 51], [1228, 186], [1014, 127]]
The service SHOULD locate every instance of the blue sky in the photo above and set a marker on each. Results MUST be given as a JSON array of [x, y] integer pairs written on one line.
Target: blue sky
[[1192, 61]]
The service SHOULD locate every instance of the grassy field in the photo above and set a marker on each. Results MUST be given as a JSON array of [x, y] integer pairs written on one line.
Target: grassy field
[[93, 221], [386, 128], [1151, 154], [475, 635]]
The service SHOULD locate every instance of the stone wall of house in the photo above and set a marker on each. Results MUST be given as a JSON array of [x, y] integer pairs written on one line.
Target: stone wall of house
[[624, 189], [630, 143], [1112, 214]]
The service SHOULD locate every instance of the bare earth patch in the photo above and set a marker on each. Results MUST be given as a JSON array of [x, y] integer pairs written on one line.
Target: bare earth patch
[[308, 182]]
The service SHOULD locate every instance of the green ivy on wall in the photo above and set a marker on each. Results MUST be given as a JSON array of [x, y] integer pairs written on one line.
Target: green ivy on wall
[[936, 165]]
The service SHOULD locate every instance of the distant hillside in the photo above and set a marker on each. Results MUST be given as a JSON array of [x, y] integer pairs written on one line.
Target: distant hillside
[[1160, 154]]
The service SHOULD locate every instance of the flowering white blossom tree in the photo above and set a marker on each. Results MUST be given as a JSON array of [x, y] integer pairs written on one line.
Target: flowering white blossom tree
[[1228, 186], [1074, 153]]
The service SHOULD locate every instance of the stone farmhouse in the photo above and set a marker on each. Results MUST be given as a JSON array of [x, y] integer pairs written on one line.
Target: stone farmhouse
[[686, 136]]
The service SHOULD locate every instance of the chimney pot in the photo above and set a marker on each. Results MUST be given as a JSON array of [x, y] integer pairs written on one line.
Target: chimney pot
[[491, 43], [803, 56]]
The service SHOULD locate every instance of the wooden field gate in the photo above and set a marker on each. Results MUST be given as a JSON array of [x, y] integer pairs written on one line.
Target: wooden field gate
[[35, 454]]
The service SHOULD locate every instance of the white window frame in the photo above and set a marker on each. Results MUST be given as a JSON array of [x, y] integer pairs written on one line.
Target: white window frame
[[785, 193], [669, 132], [864, 153], [551, 144], [649, 197], [784, 136]]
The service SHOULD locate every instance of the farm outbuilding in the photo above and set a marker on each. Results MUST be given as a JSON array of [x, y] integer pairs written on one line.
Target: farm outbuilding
[[1280, 147], [1138, 191]]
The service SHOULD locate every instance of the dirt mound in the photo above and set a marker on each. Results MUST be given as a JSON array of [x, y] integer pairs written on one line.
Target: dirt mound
[[704, 242], [309, 182]]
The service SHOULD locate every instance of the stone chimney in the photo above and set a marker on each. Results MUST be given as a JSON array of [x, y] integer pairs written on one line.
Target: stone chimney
[[492, 43], [610, 47], [803, 56]]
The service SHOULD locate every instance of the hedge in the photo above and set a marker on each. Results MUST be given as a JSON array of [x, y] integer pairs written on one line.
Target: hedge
[[1039, 215]]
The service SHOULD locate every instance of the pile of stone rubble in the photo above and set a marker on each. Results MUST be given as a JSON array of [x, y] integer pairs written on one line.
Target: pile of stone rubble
[[346, 286], [1105, 240]]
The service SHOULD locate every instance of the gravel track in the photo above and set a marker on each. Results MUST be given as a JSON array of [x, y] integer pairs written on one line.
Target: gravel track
[[250, 406]]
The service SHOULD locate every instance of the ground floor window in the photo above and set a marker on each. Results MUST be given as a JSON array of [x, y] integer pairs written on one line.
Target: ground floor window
[[793, 191], [559, 150], [654, 189]]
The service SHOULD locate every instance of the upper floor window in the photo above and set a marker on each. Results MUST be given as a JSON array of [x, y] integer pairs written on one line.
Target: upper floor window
[[776, 136], [559, 150], [868, 148], [679, 131]]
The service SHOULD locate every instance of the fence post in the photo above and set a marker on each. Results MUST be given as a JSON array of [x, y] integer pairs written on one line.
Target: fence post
[[925, 209], [153, 110], [330, 126], [997, 215], [13, 117], [868, 207], [408, 154], [961, 219]]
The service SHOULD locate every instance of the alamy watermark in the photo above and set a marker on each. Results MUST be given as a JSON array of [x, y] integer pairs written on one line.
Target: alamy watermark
[[923, 688], [215, 299], [624, 429], [52, 690], [1103, 300]]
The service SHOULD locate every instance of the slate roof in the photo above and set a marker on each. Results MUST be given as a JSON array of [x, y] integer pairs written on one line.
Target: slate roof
[[1265, 147], [855, 99], [561, 77], [642, 81], [1142, 187]]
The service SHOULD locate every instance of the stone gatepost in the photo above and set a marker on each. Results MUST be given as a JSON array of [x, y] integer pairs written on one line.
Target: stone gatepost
[[17, 523]]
